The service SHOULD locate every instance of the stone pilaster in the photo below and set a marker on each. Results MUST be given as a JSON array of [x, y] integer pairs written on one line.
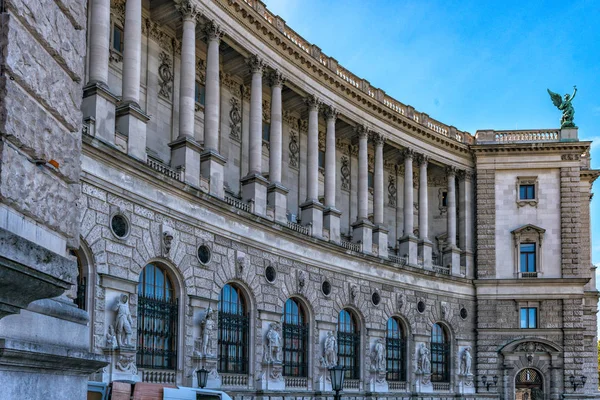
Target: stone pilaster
[[380, 234], [312, 209], [408, 242], [486, 223], [451, 253], [362, 228], [331, 214], [276, 192], [570, 225], [425, 245], [254, 185], [211, 161], [465, 222]]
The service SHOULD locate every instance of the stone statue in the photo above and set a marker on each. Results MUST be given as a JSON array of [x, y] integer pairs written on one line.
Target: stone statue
[[466, 361], [208, 327], [330, 351], [379, 360], [565, 106], [123, 322], [273, 350], [111, 339], [424, 362]]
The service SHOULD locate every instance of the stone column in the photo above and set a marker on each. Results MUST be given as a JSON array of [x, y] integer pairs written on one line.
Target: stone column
[[131, 120], [425, 245], [408, 242], [211, 162], [185, 151], [380, 233], [331, 213], [276, 192], [465, 231], [362, 228], [254, 185], [451, 252], [98, 104], [312, 209]]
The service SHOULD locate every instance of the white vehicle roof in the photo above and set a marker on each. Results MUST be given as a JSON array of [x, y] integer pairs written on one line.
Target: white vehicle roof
[[188, 393]]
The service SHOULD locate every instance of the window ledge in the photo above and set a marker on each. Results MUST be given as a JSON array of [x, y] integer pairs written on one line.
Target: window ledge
[[530, 202]]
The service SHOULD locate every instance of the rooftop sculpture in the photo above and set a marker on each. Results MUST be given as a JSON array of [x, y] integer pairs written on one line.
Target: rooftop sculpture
[[565, 106]]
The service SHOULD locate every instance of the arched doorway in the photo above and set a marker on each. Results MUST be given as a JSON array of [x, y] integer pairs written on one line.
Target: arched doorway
[[529, 385]]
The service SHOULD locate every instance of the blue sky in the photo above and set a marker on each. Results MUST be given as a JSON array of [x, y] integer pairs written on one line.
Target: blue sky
[[471, 64]]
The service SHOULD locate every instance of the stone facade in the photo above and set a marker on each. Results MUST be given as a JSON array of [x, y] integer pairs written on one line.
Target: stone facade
[[205, 164]]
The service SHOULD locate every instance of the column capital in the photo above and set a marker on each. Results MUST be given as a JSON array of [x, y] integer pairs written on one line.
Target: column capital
[[276, 78], [330, 112], [465, 175], [408, 153], [213, 31], [312, 102], [256, 64], [423, 159], [450, 171], [188, 9], [361, 131], [378, 138]]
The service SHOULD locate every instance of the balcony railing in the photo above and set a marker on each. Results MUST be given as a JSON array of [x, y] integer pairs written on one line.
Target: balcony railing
[[397, 386], [351, 384], [235, 380], [305, 230], [518, 136], [441, 386], [351, 246], [159, 376], [441, 270], [397, 259], [165, 169], [237, 203], [296, 383]]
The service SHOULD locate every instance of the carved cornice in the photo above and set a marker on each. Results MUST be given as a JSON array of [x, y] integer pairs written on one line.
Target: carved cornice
[[187, 8], [276, 78], [313, 103], [256, 64], [330, 112], [213, 31]]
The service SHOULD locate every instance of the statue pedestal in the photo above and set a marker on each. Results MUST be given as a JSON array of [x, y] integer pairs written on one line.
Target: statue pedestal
[[271, 377], [465, 384], [209, 362], [568, 135], [122, 365], [377, 383], [324, 384], [423, 383]]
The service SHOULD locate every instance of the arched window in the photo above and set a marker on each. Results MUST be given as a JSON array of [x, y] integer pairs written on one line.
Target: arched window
[[395, 351], [233, 331], [349, 344], [295, 340], [157, 320], [440, 354]]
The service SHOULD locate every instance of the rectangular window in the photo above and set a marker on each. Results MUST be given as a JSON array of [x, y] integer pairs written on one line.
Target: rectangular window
[[528, 318], [371, 178], [526, 192], [199, 93], [321, 159], [527, 251], [118, 38], [266, 132], [444, 199]]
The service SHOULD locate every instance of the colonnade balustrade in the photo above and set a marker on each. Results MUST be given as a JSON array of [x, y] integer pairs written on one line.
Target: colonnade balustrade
[[205, 162]]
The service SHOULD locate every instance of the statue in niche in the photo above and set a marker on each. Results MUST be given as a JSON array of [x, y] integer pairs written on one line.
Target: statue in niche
[[379, 355], [111, 338], [566, 106], [208, 327], [273, 345], [424, 362], [124, 322], [330, 351], [466, 361]]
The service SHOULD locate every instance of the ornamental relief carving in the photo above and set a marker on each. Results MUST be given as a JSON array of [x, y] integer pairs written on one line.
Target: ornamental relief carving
[[117, 11], [266, 111], [345, 172], [391, 191], [165, 75], [201, 71], [235, 120], [294, 149]]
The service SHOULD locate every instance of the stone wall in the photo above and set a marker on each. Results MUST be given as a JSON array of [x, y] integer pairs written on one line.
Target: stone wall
[[485, 213], [570, 222]]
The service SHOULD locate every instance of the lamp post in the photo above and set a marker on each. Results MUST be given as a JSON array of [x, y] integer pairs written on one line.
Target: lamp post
[[337, 380], [202, 376], [488, 384], [576, 383]]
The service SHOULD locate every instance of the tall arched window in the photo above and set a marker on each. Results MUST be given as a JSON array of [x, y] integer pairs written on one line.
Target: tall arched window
[[157, 320], [295, 340], [233, 331], [395, 351], [349, 344], [440, 354]]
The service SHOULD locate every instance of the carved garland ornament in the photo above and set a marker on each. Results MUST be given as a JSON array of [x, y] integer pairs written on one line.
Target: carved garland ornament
[[345, 173], [391, 191], [165, 74], [235, 120], [294, 149]]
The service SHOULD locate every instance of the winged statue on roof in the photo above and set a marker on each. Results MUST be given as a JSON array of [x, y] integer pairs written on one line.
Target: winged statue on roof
[[566, 106]]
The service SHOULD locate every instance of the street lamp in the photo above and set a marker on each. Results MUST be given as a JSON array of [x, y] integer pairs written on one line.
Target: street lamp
[[202, 376], [337, 380], [488, 384], [576, 383]]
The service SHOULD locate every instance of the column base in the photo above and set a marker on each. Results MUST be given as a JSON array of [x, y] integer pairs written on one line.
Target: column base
[[408, 248], [211, 167], [254, 189], [425, 250], [131, 122], [99, 103], [451, 257], [185, 154], [467, 260], [277, 198], [312, 214], [362, 232], [331, 221], [380, 238]]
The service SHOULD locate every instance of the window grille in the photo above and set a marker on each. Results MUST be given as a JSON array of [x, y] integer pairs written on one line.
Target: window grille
[[348, 345], [157, 320], [440, 355], [295, 340], [233, 332], [395, 351]]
